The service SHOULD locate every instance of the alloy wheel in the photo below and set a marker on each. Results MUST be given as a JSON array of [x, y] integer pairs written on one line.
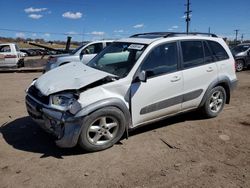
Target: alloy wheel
[[102, 130], [216, 101]]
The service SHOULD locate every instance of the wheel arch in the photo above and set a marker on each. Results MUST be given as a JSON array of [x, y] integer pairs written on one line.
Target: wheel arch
[[223, 82], [109, 102]]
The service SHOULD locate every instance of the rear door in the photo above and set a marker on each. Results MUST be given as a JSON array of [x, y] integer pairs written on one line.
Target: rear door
[[161, 94], [199, 71]]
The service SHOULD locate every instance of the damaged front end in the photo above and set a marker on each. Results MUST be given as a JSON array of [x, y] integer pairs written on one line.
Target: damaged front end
[[61, 124], [56, 113]]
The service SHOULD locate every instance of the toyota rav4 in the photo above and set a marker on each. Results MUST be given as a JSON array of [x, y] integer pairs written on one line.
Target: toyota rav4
[[134, 81]]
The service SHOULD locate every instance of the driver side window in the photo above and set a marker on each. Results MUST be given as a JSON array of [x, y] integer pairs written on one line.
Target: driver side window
[[161, 60]]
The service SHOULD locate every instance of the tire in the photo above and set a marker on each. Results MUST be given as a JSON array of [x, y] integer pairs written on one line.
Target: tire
[[102, 129], [215, 102], [239, 65], [20, 63]]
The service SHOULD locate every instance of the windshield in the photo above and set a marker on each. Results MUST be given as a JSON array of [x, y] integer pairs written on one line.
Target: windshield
[[241, 48], [118, 58], [78, 48]]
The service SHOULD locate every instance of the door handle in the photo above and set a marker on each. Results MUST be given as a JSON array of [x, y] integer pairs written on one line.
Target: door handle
[[175, 79], [210, 69]]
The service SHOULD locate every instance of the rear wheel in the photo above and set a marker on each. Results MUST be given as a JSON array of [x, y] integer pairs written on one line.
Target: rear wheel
[[20, 63], [239, 65], [102, 129], [215, 102]]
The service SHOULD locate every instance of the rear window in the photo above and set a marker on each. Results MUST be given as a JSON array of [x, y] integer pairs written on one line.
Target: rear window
[[5, 48], [218, 51]]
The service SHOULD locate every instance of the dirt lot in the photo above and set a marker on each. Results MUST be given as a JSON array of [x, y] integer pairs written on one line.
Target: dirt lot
[[201, 152]]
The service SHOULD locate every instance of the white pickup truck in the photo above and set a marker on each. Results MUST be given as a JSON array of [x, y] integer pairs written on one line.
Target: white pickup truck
[[10, 55]]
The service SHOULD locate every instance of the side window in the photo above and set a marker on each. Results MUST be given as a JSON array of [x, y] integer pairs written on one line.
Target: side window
[[218, 51], [162, 59], [5, 48], [93, 49], [192, 53], [208, 55]]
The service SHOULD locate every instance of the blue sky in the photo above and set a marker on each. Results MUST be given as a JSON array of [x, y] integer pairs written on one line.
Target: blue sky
[[97, 19]]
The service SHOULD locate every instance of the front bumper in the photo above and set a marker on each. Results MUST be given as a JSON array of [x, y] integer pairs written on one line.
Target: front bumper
[[62, 125]]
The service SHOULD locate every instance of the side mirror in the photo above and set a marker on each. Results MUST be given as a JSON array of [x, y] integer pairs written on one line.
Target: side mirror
[[248, 53], [143, 76]]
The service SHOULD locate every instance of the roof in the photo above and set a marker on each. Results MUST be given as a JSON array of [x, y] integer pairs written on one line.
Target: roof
[[148, 38], [138, 40], [7, 44], [242, 44]]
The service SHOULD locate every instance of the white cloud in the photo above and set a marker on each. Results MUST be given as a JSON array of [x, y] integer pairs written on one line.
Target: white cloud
[[34, 35], [99, 33], [175, 27], [20, 35], [46, 35], [35, 16], [170, 29], [72, 15], [119, 31], [138, 26], [32, 10]]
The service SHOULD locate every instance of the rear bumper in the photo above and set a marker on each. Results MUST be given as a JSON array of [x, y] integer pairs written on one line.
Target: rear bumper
[[63, 126], [233, 84]]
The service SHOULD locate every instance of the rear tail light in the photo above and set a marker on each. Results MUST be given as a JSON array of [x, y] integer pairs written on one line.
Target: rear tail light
[[10, 56]]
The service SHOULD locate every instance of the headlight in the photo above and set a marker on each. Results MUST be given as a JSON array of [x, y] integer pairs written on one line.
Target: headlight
[[66, 102], [52, 66]]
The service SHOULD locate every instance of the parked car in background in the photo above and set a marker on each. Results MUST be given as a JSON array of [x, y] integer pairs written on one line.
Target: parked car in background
[[23, 54], [29, 52], [132, 82], [10, 55], [82, 54], [242, 56]]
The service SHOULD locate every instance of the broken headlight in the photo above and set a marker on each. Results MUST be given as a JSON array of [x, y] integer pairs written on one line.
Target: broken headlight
[[66, 102]]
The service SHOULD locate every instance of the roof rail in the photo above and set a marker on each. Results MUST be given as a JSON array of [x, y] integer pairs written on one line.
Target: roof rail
[[169, 34]]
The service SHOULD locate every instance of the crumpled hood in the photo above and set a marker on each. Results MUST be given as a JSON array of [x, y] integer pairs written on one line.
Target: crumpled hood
[[71, 76]]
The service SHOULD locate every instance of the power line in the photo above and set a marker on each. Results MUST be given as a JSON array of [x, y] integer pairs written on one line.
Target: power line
[[41, 32]]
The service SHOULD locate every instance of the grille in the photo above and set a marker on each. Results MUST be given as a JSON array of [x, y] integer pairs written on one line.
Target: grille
[[34, 92]]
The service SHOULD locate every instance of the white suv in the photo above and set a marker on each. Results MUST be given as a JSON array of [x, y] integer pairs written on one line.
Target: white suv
[[134, 81], [83, 54]]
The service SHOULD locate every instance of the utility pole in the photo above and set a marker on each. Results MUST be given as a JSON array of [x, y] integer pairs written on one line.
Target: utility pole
[[188, 19], [242, 37], [236, 35], [209, 30]]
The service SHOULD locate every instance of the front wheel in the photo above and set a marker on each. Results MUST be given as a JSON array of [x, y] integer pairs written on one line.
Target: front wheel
[[215, 102], [102, 129]]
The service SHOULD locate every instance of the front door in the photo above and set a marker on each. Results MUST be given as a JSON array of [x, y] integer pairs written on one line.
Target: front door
[[161, 94]]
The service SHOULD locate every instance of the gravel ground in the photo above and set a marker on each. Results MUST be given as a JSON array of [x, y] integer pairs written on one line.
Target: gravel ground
[[183, 151]]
